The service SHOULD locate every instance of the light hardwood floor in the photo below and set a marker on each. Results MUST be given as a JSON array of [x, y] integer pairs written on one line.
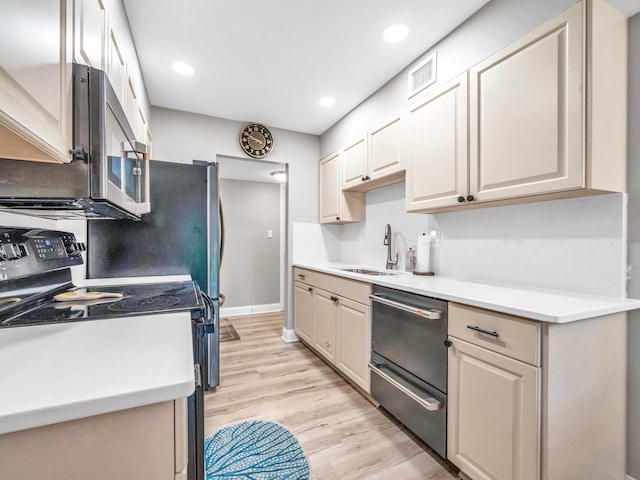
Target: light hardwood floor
[[343, 435]]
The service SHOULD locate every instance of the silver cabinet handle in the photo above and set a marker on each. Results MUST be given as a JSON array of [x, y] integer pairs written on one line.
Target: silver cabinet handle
[[429, 403], [483, 331], [429, 313]]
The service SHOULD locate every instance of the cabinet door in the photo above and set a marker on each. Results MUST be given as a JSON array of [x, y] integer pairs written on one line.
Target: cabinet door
[[437, 156], [326, 312], [493, 417], [354, 341], [304, 312], [330, 188], [117, 68], [526, 114], [89, 33], [337, 206], [386, 149], [35, 80], [355, 164]]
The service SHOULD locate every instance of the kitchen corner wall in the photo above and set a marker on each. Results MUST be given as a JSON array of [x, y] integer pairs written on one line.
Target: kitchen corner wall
[[633, 187], [577, 245]]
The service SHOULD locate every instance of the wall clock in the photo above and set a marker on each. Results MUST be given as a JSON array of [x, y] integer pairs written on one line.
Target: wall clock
[[256, 140]]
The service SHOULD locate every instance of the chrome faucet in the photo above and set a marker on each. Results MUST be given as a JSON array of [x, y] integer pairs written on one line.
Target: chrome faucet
[[387, 241]]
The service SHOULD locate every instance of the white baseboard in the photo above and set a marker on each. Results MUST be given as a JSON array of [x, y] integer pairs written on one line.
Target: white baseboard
[[250, 309], [289, 336], [629, 477]]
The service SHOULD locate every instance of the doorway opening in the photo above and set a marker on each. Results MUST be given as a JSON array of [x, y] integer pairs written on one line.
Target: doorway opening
[[252, 273]]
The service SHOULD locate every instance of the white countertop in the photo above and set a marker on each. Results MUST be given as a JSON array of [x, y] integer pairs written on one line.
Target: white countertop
[[537, 304], [54, 373]]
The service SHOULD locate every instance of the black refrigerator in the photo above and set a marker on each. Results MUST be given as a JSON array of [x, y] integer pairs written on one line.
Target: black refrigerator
[[183, 234]]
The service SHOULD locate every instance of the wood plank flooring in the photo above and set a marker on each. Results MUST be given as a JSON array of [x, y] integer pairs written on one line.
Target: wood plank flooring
[[343, 435]]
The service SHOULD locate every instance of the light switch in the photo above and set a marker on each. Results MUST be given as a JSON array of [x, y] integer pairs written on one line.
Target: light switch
[[269, 233]]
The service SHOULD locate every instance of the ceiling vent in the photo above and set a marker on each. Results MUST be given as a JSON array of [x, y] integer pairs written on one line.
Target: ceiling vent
[[423, 75]]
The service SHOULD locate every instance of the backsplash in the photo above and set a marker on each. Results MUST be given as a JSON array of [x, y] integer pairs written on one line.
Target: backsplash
[[576, 245]]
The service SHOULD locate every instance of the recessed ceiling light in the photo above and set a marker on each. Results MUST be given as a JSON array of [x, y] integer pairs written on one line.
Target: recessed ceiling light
[[327, 101], [280, 176], [396, 32], [183, 68]]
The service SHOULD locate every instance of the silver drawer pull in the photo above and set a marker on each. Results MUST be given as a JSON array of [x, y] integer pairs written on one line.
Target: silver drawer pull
[[483, 331], [429, 313], [429, 403]]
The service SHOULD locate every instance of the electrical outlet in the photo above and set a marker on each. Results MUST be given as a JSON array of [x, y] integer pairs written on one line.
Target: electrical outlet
[[361, 239], [434, 238]]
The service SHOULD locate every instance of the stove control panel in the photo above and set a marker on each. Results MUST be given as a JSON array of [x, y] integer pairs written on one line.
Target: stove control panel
[[25, 251]]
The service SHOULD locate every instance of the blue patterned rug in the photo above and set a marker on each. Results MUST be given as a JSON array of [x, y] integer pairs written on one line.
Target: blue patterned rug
[[255, 450]]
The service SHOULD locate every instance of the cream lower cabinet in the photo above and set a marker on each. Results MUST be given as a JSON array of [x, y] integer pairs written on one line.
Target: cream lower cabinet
[[139, 443], [494, 414], [304, 312], [533, 400], [339, 309]]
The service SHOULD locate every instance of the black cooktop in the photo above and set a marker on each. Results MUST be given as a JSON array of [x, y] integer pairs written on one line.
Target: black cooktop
[[137, 299]]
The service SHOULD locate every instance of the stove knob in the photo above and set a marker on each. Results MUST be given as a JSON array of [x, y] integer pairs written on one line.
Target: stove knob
[[12, 251]]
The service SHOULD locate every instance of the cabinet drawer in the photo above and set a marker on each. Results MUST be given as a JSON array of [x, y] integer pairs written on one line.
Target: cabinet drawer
[[343, 287], [511, 336], [303, 275]]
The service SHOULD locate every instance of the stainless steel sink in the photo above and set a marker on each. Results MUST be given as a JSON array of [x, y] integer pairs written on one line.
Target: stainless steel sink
[[365, 271]]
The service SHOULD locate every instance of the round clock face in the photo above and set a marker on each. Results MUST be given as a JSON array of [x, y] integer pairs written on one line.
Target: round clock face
[[256, 140]]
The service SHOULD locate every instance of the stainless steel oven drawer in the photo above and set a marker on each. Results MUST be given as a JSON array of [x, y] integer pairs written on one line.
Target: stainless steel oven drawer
[[416, 404], [413, 341]]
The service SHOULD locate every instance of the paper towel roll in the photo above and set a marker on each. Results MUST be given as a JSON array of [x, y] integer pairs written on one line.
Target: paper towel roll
[[422, 255]]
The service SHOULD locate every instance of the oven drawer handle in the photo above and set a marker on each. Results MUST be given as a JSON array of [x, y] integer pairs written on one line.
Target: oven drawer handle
[[429, 403], [483, 331], [422, 312]]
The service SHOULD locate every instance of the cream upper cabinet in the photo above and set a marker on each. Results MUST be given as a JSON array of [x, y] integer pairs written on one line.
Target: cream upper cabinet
[[386, 152], [354, 164], [337, 206], [89, 33], [437, 154], [547, 115], [35, 80], [377, 160], [116, 67]]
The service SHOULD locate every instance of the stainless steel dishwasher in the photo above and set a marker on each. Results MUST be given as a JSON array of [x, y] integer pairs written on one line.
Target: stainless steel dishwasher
[[409, 362]]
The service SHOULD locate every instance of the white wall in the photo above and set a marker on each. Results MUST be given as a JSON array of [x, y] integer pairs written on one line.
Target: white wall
[[182, 137]]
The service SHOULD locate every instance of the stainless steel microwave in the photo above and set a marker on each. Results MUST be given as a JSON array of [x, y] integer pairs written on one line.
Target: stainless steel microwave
[[108, 176]]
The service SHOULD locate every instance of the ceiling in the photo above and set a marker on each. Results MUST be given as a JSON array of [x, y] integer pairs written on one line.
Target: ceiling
[[270, 61]]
